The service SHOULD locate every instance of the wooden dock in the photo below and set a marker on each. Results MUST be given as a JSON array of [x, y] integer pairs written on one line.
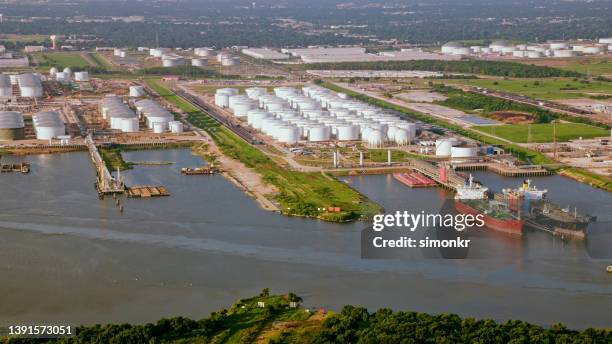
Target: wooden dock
[[146, 191], [21, 167], [505, 170]]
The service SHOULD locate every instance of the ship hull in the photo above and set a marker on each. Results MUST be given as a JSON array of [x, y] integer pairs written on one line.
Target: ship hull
[[512, 227]]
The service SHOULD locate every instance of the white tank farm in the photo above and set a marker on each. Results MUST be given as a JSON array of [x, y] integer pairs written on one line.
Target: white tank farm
[[48, 125], [153, 112], [159, 127], [463, 152], [319, 133], [200, 62], [176, 127], [288, 134], [6, 89], [136, 91], [347, 133], [129, 125], [222, 100], [81, 76]]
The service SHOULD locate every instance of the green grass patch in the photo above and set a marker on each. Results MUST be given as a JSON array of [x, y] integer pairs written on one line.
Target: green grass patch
[[551, 89], [61, 60], [114, 160], [100, 61], [300, 194], [543, 132], [590, 66], [590, 178]]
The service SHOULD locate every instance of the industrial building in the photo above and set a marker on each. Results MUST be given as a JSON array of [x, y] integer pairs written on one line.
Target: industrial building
[[265, 54], [48, 125], [359, 54], [315, 114], [11, 125], [119, 115], [6, 89]]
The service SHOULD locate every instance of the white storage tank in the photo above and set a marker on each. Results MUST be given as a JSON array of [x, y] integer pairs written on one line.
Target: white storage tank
[[319, 133], [463, 152], [443, 147], [30, 85], [606, 40], [564, 53], [402, 137], [375, 138], [129, 125], [228, 91], [288, 134], [159, 127], [534, 54], [230, 61], [347, 133], [68, 71], [558, 45], [200, 62], [53, 71], [61, 77], [255, 92], [81, 76], [222, 100], [6, 89], [176, 127], [137, 91], [48, 125]]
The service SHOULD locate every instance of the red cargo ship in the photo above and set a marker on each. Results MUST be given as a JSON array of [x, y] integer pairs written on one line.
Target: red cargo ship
[[504, 225], [472, 199]]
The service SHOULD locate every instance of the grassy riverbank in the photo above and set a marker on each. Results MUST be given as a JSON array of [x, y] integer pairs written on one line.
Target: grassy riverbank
[[114, 160], [272, 319], [300, 193]]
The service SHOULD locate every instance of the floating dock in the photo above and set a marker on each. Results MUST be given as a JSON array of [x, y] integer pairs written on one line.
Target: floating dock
[[414, 179], [146, 191], [198, 170], [22, 168]]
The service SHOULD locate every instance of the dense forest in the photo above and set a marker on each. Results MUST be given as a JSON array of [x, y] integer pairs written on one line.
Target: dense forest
[[275, 319], [495, 68], [300, 23]]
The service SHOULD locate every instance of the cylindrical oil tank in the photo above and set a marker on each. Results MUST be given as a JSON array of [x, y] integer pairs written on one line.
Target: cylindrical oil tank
[[288, 134], [347, 133], [592, 50], [52, 71], [464, 152], [558, 45], [319, 133], [200, 62], [242, 108], [68, 71], [255, 92], [443, 147], [230, 61], [11, 125], [159, 127], [6, 89], [61, 77], [136, 91], [228, 91], [401, 137], [607, 40], [564, 53], [204, 52], [81, 76], [222, 100], [176, 127], [129, 125], [534, 54], [375, 138]]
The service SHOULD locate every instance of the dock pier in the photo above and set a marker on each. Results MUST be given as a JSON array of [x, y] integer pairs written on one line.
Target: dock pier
[[106, 184]]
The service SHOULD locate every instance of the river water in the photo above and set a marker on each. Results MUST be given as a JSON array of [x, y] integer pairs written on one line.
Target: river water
[[68, 257]]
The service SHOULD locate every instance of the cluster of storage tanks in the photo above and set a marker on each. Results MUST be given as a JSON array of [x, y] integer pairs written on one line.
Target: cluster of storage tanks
[[315, 114], [48, 125], [453, 148], [157, 117], [550, 49], [226, 59], [118, 114], [29, 84], [66, 75]]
